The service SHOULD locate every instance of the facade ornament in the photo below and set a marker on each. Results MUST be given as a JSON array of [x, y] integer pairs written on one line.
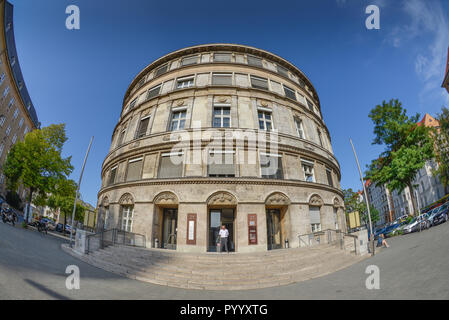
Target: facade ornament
[[277, 199], [316, 201], [264, 103], [166, 198], [222, 198], [222, 99], [337, 203], [180, 103], [126, 199], [105, 202]]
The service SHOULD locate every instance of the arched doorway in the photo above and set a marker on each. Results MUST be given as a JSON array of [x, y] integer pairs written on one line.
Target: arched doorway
[[166, 224], [276, 207], [221, 211]]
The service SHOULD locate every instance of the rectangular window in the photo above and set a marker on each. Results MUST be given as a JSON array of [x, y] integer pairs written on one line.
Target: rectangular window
[[127, 218], [282, 71], [6, 91], [221, 164], [26, 130], [189, 60], [265, 120], [161, 70], [315, 218], [134, 170], [271, 166], [320, 138], [112, 176], [222, 117], [184, 83], [336, 218], [299, 128], [154, 92], [329, 177], [259, 83], [21, 123], [307, 167], [132, 104], [2, 78], [8, 130], [310, 104], [2, 146], [170, 166], [256, 62], [178, 120], [290, 93], [2, 121], [222, 79], [121, 138], [16, 113], [222, 57], [143, 126], [14, 139], [11, 101]]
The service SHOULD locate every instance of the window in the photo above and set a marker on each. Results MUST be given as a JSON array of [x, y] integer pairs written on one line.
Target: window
[[307, 167], [178, 120], [8, 130], [320, 138], [329, 177], [171, 165], [222, 57], [2, 78], [189, 60], [256, 62], [271, 166], [184, 83], [310, 104], [16, 113], [6, 91], [112, 176], [154, 92], [222, 79], [140, 83], [259, 83], [290, 93], [336, 218], [221, 164], [134, 170], [127, 218], [11, 101], [315, 218], [132, 104], [2, 121], [282, 71], [2, 146], [222, 117], [265, 121], [21, 123], [121, 138], [143, 126], [2, 179], [299, 128], [161, 70], [26, 130], [14, 139]]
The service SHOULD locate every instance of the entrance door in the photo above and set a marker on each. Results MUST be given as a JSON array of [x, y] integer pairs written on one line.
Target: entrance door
[[169, 228], [274, 235], [217, 218]]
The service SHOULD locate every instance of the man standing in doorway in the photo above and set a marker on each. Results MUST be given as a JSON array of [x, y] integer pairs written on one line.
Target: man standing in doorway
[[224, 234]]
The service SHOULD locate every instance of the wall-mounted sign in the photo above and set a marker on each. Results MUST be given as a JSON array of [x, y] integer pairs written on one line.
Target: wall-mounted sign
[[191, 229], [252, 229]]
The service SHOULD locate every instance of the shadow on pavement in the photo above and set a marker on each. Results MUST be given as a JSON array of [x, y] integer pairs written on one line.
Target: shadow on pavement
[[46, 290]]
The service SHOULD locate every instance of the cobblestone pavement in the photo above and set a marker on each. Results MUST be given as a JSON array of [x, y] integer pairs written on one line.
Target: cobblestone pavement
[[32, 266]]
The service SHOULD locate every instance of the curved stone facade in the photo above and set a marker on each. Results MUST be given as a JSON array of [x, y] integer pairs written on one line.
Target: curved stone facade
[[221, 134]]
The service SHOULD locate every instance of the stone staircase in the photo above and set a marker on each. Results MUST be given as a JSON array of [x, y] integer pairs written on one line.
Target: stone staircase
[[215, 271]]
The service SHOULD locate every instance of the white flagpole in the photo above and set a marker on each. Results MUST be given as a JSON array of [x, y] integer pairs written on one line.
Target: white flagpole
[[77, 190]]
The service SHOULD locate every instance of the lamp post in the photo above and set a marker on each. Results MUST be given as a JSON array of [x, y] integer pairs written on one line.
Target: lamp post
[[78, 189], [366, 200]]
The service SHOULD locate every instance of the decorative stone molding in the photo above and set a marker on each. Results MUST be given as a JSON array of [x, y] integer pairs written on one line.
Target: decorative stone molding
[[180, 103], [166, 198], [222, 198], [277, 198], [316, 201], [126, 199], [337, 203], [222, 99], [264, 103], [105, 202]]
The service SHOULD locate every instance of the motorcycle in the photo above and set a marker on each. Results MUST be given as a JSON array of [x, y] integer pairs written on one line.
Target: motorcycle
[[9, 216], [41, 226]]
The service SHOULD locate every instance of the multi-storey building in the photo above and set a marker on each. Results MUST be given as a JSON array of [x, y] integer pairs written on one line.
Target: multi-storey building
[[380, 198], [221, 134], [17, 113]]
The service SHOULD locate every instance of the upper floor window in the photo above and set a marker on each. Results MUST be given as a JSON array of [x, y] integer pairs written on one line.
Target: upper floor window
[[161, 70], [132, 104], [8, 130], [259, 83], [315, 218], [289, 93], [170, 165], [112, 175], [282, 71], [16, 113], [14, 139], [320, 137], [254, 61], [26, 130], [154, 92], [222, 79], [2, 120], [329, 177], [307, 168], [222, 116], [185, 82], [271, 166], [140, 83], [13, 60], [121, 137], [134, 169], [143, 126], [222, 57], [221, 164], [2, 78], [6, 91], [265, 120], [21, 123], [2, 146], [299, 128], [189, 60], [127, 218], [178, 119], [310, 104], [11, 102]]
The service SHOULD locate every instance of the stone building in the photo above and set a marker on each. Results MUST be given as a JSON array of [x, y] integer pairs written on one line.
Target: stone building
[[17, 113], [221, 134]]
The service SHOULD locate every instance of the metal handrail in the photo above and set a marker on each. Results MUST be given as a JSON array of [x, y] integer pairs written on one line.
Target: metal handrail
[[105, 240], [339, 241]]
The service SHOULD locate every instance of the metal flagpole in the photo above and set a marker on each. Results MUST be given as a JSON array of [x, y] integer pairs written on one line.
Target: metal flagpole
[[366, 200], [77, 190]]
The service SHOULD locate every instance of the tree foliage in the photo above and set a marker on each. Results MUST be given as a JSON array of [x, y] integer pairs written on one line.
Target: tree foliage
[[407, 147], [63, 198], [441, 140], [353, 203]]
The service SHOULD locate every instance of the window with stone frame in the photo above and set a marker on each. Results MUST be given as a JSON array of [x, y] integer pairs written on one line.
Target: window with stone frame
[[254, 61], [112, 175], [222, 116], [121, 137], [308, 169], [271, 166], [132, 104], [154, 92], [134, 171], [189, 60], [170, 165], [178, 119], [222, 57], [222, 79], [259, 83], [330, 181], [320, 137], [310, 105], [221, 164], [265, 119], [127, 217], [161, 70], [143, 127], [300, 128], [336, 218], [315, 218], [185, 82], [289, 93], [282, 71]]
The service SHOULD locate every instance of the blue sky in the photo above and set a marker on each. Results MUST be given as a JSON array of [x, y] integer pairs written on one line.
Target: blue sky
[[79, 77]]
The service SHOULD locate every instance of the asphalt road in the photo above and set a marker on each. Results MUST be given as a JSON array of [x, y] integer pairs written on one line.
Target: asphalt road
[[32, 266]]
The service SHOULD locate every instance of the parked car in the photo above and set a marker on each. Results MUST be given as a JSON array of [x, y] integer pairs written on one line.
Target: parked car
[[438, 215], [60, 228], [417, 224]]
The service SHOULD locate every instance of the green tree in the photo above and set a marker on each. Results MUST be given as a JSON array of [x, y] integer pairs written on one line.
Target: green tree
[[407, 147], [353, 203], [37, 163], [441, 139]]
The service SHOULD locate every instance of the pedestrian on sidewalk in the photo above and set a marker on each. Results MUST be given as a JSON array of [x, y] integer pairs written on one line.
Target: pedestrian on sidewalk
[[383, 241], [224, 234]]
